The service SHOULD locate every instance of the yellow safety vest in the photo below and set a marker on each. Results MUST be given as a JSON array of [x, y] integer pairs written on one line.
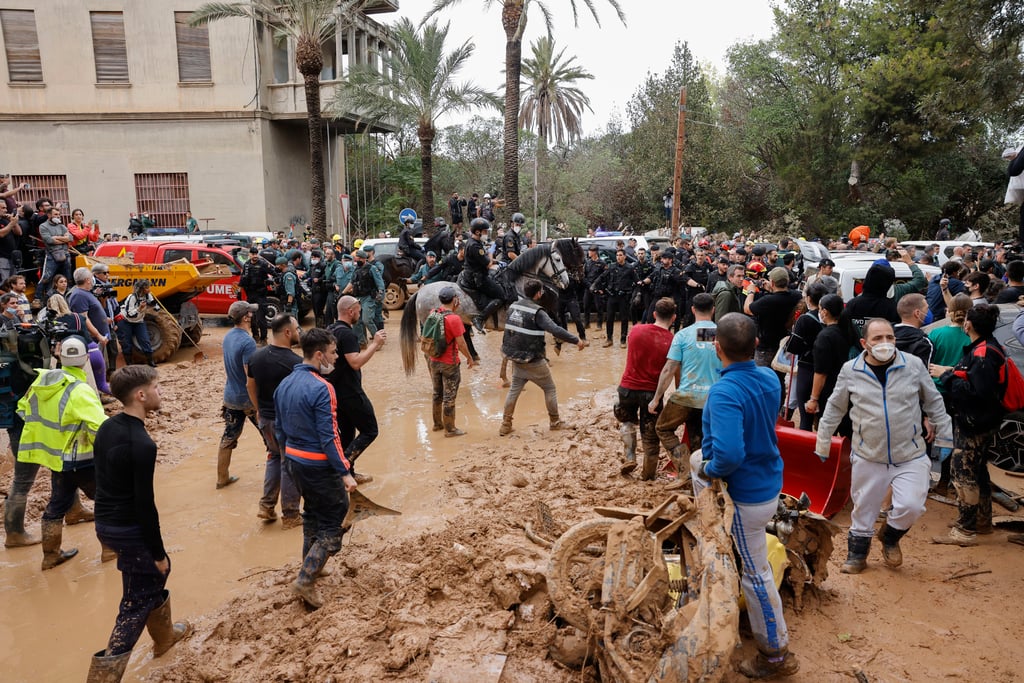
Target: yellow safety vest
[[61, 413]]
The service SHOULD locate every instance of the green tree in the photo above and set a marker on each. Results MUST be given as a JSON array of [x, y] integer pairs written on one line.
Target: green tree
[[553, 103], [513, 23], [309, 23], [416, 85]]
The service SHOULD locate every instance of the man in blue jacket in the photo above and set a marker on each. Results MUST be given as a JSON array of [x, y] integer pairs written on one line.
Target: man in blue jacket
[[308, 430], [740, 448]]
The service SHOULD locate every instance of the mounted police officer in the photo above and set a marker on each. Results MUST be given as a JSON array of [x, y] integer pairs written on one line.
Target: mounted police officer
[[407, 242], [476, 274], [257, 275], [512, 242]]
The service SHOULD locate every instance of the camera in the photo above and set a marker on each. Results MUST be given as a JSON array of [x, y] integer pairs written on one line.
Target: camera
[[103, 289]]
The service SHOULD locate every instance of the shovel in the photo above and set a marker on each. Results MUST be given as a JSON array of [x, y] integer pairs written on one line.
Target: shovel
[[360, 507]]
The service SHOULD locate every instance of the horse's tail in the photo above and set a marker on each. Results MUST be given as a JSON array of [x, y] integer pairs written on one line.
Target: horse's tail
[[408, 334]]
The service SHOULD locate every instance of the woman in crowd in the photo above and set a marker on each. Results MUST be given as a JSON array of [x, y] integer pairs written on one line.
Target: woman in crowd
[[60, 285], [86, 235], [948, 343], [832, 348]]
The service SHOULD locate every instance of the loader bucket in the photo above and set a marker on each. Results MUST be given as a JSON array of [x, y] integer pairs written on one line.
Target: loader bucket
[[361, 507], [826, 483]]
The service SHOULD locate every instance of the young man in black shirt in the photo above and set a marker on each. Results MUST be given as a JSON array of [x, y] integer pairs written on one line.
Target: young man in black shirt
[[267, 368], [128, 522], [772, 312]]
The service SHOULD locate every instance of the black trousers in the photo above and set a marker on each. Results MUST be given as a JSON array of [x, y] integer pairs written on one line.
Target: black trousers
[[355, 414], [259, 321], [592, 302], [618, 303]]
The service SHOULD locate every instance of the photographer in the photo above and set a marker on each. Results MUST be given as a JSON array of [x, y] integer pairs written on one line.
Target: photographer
[[104, 291]]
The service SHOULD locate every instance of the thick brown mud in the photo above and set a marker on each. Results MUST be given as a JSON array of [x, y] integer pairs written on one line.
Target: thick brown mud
[[452, 590]]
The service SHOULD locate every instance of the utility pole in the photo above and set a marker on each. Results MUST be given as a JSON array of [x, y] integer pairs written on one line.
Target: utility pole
[[677, 179]]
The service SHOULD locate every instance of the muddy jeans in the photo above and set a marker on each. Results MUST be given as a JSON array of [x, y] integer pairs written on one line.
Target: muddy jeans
[[234, 422], [674, 414], [631, 408], [764, 606], [539, 373], [64, 490], [325, 503], [142, 584], [969, 472], [276, 480], [446, 379]]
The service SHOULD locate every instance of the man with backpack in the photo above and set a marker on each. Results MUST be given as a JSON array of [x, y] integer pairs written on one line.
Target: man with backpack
[[442, 341]]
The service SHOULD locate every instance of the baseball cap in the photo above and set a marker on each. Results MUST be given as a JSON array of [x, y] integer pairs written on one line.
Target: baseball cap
[[346, 257], [826, 262], [254, 249], [368, 248], [430, 253], [281, 261], [723, 259], [779, 276], [759, 250], [360, 253], [238, 310], [73, 353], [446, 295]]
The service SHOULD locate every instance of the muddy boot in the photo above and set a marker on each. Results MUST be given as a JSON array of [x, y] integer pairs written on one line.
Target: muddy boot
[[762, 666], [857, 554], [506, 426], [14, 523], [53, 531], [107, 554], [438, 416], [223, 464], [680, 458], [958, 536], [291, 521], [162, 630], [305, 585], [108, 668], [449, 423], [555, 425], [78, 513], [267, 513], [628, 431], [983, 521], [891, 553]]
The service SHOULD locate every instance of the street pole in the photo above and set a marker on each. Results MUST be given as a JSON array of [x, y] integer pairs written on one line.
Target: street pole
[[677, 178]]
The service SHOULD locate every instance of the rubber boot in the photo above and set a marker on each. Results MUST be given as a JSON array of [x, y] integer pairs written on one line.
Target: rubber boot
[[164, 632], [223, 465], [305, 585], [506, 426], [680, 457], [107, 668], [149, 360], [438, 416], [628, 431], [652, 449], [53, 531], [857, 554], [78, 513], [761, 665], [14, 523], [449, 423], [891, 553], [555, 424], [983, 520]]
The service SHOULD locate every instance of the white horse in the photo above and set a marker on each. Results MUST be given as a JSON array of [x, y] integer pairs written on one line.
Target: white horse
[[553, 263]]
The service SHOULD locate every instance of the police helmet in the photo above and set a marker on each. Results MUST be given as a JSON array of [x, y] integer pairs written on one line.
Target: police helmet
[[518, 218], [479, 225]]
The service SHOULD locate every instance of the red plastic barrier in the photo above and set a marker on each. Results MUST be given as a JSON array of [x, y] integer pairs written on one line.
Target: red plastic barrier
[[826, 483]]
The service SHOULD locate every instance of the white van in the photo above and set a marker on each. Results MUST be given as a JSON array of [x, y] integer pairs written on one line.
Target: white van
[[852, 267]]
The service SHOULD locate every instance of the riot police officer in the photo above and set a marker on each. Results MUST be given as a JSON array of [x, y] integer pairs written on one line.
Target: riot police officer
[[317, 278], [257, 275], [476, 274], [512, 242]]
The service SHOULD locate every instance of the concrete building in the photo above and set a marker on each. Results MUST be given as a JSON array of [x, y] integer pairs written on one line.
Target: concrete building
[[118, 106]]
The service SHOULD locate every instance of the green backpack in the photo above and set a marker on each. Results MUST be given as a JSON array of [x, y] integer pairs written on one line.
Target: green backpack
[[432, 337]]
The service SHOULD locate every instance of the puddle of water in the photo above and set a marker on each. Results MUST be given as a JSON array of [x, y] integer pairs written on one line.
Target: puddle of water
[[214, 537]]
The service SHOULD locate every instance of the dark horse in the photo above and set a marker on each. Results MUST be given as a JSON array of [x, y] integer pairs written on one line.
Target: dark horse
[[398, 268], [553, 263]]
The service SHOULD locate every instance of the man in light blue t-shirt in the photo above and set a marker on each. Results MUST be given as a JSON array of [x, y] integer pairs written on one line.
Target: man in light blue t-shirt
[[694, 365], [238, 347]]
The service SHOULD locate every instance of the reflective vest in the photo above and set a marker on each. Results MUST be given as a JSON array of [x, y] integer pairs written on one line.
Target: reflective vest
[[61, 413]]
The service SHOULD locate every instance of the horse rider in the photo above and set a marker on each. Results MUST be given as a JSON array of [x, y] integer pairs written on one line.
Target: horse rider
[[476, 274], [512, 242], [441, 242], [407, 243], [449, 268]]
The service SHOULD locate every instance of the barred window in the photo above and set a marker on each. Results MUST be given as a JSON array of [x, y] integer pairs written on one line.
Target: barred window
[[53, 187], [193, 50], [164, 196], [22, 45], [109, 47]]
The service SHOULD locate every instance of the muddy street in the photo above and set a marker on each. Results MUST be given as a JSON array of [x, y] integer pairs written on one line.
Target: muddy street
[[452, 590]]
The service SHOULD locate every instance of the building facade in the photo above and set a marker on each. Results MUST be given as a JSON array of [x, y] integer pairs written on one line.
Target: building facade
[[119, 106]]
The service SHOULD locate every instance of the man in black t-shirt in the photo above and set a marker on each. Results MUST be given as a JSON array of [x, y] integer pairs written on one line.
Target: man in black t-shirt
[[1015, 289], [772, 311], [267, 368], [355, 412]]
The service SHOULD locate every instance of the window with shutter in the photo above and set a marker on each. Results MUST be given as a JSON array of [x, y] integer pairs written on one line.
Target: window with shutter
[[22, 45], [193, 50], [164, 196], [52, 187], [109, 47]]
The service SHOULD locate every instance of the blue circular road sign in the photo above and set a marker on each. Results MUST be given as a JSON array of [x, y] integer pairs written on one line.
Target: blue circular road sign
[[406, 216]]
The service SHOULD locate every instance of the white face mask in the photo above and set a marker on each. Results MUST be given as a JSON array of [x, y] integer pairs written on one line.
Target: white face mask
[[883, 352], [314, 261], [516, 229], [55, 221], [326, 369]]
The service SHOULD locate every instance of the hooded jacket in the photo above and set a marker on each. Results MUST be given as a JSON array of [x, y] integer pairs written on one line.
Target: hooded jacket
[[61, 413], [886, 419], [874, 300], [914, 341], [975, 389]]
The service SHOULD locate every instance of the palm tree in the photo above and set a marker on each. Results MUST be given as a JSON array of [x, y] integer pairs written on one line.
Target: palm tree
[[416, 85], [553, 103], [513, 22], [309, 23]]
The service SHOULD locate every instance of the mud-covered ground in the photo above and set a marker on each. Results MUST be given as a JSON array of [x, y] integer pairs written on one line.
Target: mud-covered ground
[[455, 592]]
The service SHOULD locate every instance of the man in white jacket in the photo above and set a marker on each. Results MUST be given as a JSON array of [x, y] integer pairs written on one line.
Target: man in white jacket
[[885, 391]]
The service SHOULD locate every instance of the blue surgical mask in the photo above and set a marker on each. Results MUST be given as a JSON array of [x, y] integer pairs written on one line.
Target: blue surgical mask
[[14, 312]]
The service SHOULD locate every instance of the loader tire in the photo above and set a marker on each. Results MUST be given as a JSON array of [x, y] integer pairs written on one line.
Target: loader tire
[[164, 337]]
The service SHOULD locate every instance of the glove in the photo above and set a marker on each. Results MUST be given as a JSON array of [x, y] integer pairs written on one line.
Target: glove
[[702, 472], [942, 453]]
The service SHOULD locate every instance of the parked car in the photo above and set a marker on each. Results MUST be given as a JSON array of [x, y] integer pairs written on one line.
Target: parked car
[[852, 266]]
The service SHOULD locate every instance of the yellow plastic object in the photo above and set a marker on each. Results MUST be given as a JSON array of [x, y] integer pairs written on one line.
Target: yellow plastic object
[[180, 277], [776, 558]]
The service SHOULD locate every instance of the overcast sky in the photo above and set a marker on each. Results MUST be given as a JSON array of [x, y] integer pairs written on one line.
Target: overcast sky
[[618, 56]]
